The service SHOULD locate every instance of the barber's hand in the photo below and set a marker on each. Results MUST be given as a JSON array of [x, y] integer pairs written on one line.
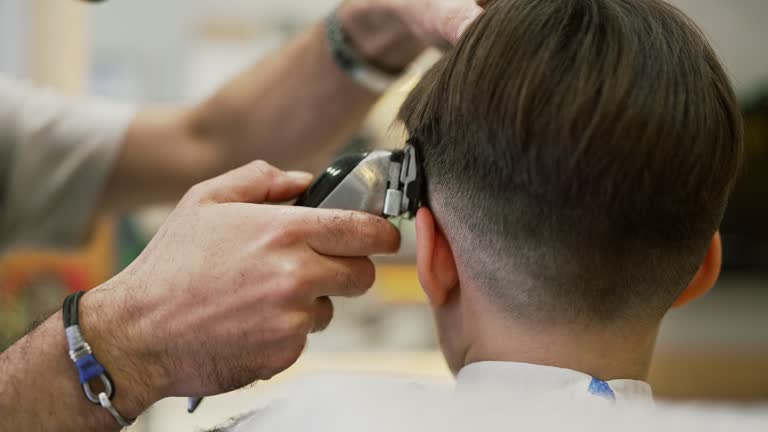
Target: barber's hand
[[391, 33], [227, 291]]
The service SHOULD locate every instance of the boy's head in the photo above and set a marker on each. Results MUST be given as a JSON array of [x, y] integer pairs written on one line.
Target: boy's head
[[578, 155]]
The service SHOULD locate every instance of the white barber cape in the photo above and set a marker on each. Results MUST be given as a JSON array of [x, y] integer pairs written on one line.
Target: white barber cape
[[485, 396], [522, 378]]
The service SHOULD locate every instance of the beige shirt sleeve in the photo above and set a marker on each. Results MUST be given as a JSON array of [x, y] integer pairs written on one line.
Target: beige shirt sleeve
[[55, 157]]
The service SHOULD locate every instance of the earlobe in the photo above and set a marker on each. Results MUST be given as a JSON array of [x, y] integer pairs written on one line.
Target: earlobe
[[435, 263], [707, 275]]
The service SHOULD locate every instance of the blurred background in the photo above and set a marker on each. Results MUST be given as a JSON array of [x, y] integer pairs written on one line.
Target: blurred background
[[175, 51]]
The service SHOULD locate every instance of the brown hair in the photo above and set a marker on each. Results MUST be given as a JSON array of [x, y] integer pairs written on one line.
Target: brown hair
[[579, 155]]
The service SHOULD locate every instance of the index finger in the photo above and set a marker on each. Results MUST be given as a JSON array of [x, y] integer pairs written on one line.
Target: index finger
[[348, 233]]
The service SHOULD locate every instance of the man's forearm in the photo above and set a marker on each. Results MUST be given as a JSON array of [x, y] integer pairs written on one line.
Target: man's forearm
[[289, 108], [39, 387], [292, 107]]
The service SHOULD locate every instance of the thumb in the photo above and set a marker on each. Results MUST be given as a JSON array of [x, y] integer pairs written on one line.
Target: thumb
[[256, 182]]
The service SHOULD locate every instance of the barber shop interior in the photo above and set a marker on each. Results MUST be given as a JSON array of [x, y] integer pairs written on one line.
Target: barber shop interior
[[358, 215]]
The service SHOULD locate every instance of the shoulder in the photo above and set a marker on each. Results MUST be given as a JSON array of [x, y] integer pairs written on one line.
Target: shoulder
[[340, 402]]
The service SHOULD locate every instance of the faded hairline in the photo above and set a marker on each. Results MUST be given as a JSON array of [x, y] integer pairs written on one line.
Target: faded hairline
[[501, 178]]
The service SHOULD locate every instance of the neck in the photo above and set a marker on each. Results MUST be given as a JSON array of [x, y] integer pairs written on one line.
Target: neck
[[606, 353]]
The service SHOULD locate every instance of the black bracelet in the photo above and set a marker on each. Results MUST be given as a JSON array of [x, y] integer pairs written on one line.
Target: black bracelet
[[88, 368], [370, 77]]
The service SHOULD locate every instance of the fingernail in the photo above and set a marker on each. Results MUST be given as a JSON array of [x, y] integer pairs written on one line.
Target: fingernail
[[300, 175]]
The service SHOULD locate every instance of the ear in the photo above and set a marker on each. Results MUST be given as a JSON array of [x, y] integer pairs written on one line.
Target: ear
[[705, 278], [435, 264]]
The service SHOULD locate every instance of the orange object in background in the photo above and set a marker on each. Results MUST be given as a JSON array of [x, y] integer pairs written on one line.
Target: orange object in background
[[398, 284], [35, 282]]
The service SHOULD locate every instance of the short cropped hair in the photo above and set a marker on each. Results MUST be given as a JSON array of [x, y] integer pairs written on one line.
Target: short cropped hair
[[578, 155]]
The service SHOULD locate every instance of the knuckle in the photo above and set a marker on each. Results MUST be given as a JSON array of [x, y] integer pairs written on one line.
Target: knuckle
[[291, 267], [261, 164], [293, 283], [299, 274], [284, 234], [264, 169], [301, 281], [290, 232], [297, 281], [197, 192], [295, 323]]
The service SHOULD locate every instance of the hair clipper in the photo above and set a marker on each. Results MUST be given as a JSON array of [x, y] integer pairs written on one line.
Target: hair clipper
[[383, 183]]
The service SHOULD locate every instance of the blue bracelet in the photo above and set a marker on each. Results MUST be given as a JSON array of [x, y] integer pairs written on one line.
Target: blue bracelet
[[88, 368]]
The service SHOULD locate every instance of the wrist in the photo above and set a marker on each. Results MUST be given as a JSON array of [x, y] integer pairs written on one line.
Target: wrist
[[107, 326], [378, 35]]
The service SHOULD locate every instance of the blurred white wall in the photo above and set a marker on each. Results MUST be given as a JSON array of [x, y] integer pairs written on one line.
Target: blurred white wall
[[140, 47], [739, 31], [12, 37]]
